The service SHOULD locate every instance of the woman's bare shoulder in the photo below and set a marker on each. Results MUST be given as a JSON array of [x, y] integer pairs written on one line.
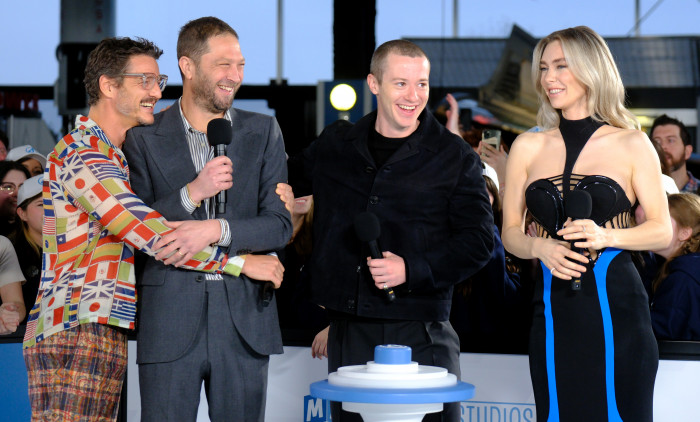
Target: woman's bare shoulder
[[532, 141], [630, 137]]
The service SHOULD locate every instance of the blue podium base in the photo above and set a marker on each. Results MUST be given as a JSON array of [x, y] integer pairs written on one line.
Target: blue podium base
[[459, 392]]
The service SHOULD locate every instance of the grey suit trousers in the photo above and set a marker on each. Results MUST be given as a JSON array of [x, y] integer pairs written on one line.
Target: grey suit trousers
[[234, 376]]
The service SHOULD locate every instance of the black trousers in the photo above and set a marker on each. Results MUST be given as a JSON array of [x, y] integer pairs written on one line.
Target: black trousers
[[433, 343]]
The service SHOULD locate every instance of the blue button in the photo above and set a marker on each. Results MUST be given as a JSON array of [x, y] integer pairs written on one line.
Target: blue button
[[392, 354]]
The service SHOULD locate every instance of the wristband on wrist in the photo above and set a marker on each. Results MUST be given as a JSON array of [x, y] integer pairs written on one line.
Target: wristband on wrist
[[189, 195]]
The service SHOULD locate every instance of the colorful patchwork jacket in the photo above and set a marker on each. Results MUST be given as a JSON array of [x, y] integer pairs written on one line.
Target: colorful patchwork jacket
[[92, 223]]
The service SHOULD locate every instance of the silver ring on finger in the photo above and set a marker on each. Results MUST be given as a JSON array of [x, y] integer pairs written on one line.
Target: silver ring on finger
[[584, 229]]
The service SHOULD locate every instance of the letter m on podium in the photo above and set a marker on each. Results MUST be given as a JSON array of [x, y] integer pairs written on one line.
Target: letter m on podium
[[316, 410]]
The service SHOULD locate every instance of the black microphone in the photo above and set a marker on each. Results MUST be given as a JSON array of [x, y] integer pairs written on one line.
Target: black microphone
[[577, 205], [368, 230], [268, 289], [266, 293], [219, 133]]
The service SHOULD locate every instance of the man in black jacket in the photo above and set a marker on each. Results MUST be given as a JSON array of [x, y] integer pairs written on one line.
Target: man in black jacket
[[425, 186]]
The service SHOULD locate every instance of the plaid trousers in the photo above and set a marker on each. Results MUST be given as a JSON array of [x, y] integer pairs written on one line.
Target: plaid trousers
[[76, 375]]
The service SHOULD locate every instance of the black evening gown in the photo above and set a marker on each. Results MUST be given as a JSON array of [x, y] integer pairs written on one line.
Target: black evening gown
[[593, 355]]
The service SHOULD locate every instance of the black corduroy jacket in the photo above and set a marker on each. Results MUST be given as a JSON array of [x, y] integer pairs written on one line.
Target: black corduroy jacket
[[433, 209]]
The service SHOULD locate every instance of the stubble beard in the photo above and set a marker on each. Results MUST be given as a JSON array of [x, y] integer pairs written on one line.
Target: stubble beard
[[676, 164], [204, 92], [125, 108]]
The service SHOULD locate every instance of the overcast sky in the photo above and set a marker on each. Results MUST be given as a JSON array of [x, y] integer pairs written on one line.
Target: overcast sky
[[30, 29]]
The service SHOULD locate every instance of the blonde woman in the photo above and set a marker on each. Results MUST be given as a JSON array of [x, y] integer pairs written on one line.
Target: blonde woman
[[593, 356]]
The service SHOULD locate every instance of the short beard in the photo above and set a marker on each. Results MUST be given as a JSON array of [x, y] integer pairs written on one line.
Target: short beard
[[205, 96], [676, 165]]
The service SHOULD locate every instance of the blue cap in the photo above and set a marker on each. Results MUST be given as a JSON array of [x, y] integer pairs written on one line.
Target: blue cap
[[392, 354]]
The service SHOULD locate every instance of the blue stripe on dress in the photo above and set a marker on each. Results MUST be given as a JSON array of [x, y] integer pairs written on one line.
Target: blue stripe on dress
[[601, 271], [549, 345]]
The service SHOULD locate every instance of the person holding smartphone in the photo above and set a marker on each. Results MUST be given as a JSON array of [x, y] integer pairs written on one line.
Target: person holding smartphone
[[490, 149], [593, 355], [493, 152]]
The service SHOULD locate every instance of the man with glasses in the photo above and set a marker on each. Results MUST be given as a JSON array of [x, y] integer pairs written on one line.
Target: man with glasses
[[149, 79], [211, 329], [75, 346]]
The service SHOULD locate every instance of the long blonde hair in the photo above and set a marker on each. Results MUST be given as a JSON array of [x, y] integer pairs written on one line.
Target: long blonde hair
[[685, 210], [589, 58]]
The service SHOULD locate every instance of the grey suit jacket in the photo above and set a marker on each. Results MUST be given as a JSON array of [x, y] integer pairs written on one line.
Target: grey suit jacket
[[171, 300]]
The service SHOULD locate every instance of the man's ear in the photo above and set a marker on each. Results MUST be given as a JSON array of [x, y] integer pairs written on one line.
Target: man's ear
[[373, 84], [108, 86], [688, 152], [186, 67]]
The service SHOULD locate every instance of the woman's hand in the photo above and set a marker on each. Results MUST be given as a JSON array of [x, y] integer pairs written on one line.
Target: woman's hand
[[586, 234], [9, 318], [554, 254], [495, 158], [284, 191], [452, 114]]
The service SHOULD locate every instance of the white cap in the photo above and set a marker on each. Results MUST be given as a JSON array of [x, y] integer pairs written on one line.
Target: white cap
[[669, 184], [30, 188], [490, 172], [17, 153]]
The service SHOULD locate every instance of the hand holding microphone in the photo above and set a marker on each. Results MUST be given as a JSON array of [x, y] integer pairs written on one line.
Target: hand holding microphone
[[265, 268], [219, 133], [577, 206], [368, 230]]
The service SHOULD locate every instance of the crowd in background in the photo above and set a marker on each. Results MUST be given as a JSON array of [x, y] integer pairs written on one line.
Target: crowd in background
[[483, 243], [490, 309]]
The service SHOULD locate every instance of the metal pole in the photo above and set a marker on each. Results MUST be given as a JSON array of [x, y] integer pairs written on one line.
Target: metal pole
[[637, 8], [455, 18], [280, 46]]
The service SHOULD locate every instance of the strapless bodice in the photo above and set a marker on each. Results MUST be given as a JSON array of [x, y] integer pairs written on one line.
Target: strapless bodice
[[610, 205]]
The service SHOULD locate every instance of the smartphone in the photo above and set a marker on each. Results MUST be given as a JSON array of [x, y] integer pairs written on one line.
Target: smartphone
[[492, 137]]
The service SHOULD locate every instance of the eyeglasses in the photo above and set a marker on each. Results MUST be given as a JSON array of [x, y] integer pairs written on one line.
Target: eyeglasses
[[10, 188], [149, 79]]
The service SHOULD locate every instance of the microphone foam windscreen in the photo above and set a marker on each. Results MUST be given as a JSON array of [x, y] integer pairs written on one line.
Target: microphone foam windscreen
[[219, 132], [367, 226], [578, 204]]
